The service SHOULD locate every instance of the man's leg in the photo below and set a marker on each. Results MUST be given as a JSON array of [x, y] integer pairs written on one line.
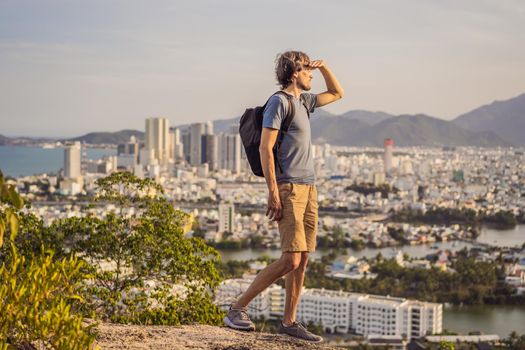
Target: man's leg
[[289, 261], [295, 279], [294, 284]]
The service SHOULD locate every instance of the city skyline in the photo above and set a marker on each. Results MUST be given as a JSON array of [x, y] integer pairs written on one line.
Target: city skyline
[[68, 69]]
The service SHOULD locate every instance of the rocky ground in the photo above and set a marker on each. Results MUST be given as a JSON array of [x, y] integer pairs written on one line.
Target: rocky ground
[[113, 336]]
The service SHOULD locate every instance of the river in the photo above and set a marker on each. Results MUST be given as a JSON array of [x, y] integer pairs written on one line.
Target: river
[[417, 251], [488, 319], [503, 238]]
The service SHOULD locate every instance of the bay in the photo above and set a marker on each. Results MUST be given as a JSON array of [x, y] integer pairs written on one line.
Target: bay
[[19, 161]]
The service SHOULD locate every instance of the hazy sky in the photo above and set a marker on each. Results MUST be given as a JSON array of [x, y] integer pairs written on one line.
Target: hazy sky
[[71, 67]]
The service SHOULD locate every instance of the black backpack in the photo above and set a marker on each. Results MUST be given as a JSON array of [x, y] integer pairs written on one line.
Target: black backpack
[[250, 130]]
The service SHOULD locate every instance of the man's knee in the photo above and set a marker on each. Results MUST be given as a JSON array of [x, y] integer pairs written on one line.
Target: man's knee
[[292, 260], [304, 261]]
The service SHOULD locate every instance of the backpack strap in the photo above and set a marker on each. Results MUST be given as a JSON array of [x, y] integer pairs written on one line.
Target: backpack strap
[[304, 104], [285, 125]]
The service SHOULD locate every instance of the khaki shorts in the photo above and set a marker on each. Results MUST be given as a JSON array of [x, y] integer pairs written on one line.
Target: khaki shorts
[[298, 225]]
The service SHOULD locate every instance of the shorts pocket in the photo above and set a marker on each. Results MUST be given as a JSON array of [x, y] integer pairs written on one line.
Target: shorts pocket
[[285, 190]]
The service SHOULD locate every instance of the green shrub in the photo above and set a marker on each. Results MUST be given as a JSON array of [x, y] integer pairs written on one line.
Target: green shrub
[[37, 293], [145, 270], [37, 300]]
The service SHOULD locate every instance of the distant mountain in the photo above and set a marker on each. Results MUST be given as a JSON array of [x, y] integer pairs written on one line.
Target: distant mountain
[[405, 130], [367, 117], [412, 130], [109, 137], [224, 125], [336, 130], [342, 130], [4, 140], [23, 140], [505, 118], [364, 128], [321, 113]]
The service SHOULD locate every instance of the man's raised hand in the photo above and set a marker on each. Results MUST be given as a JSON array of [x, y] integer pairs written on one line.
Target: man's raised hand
[[316, 64]]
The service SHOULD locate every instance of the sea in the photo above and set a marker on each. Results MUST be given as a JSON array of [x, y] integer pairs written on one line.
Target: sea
[[17, 161]]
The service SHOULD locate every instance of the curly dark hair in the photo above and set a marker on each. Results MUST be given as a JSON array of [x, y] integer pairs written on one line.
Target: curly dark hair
[[287, 63]]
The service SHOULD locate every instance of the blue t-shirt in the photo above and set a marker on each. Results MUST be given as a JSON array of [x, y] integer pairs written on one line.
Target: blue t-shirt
[[295, 154]]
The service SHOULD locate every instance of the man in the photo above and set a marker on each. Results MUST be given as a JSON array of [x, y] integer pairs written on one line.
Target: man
[[292, 199]]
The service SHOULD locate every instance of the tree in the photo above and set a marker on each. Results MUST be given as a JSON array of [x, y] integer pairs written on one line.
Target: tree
[[357, 244], [145, 270], [515, 341], [39, 295], [446, 345]]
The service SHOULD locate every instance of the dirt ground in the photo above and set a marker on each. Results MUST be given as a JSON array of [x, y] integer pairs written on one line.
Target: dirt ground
[[113, 336]]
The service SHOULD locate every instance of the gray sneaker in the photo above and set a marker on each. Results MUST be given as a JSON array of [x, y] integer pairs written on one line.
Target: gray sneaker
[[239, 319], [299, 331]]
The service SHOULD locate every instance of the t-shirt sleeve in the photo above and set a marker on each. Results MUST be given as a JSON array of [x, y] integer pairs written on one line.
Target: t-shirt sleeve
[[310, 100], [274, 113]]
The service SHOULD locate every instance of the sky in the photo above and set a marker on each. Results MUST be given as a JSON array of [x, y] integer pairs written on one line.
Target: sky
[[72, 67]]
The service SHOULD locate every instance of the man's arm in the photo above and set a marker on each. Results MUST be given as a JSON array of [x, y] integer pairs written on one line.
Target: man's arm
[[334, 91], [268, 138]]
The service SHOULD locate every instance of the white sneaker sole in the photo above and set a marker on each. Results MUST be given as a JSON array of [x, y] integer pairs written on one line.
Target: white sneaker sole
[[305, 340], [234, 326]]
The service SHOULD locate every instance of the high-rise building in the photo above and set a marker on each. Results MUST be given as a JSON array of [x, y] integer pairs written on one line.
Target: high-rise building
[[157, 139], [210, 151], [186, 144], [230, 152], [196, 132], [179, 152], [72, 160], [388, 155], [147, 157], [128, 153], [208, 128], [174, 137], [226, 217]]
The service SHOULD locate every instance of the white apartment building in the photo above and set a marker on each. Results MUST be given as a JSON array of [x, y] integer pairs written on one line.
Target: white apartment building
[[344, 312], [259, 307], [226, 217]]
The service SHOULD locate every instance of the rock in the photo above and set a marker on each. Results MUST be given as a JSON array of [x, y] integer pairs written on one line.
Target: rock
[[117, 336]]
